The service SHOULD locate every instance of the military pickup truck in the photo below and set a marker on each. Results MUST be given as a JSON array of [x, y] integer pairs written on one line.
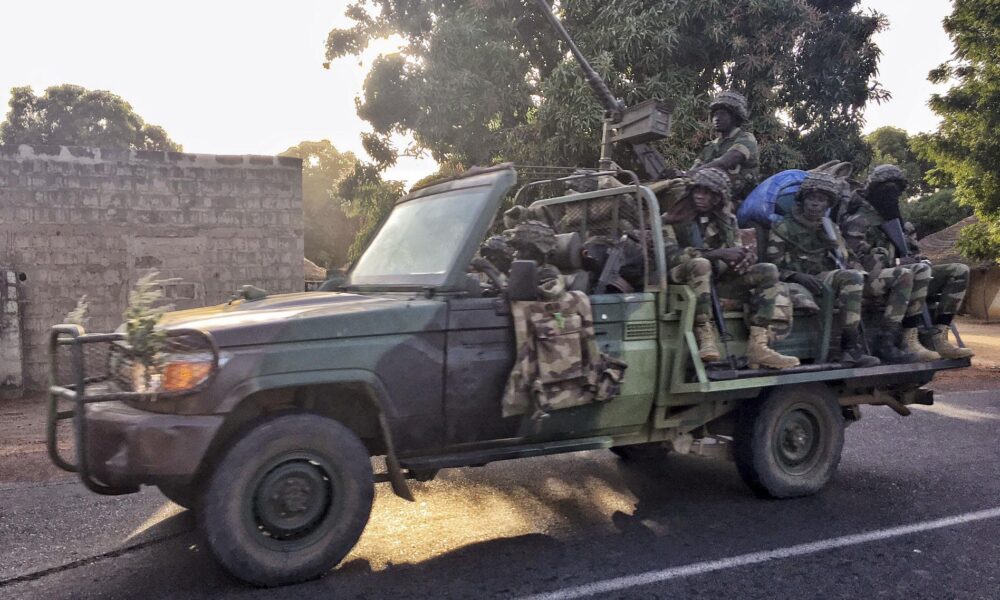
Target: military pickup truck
[[266, 416]]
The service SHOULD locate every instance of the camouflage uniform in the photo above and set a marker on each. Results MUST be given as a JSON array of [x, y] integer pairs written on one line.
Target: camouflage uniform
[[743, 177], [872, 252], [688, 267], [797, 245], [558, 363], [949, 282], [718, 230]]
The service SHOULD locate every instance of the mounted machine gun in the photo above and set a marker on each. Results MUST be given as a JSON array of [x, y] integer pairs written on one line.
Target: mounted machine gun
[[635, 126]]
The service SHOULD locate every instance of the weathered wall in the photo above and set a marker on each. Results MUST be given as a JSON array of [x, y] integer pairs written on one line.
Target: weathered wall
[[81, 221]]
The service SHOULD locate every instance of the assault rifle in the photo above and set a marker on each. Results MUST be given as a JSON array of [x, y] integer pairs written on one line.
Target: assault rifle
[[893, 229], [635, 126], [612, 265], [717, 314]]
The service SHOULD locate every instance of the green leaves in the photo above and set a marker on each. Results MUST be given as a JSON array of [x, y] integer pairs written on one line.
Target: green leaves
[[488, 81], [145, 341], [71, 115], [328, 229], [966, 149]]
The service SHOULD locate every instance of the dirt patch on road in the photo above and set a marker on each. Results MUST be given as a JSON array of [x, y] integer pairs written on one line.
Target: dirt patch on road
[[23, 456]]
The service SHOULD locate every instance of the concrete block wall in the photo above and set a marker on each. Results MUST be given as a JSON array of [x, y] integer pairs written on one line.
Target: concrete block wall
[[86, 221]]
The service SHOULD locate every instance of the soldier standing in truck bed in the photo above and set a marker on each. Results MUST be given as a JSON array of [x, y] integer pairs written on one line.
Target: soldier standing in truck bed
[[735, 150], [863, 233], [693, 264], [806, 255]]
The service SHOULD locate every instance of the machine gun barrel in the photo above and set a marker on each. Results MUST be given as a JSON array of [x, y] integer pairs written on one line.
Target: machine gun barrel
[[636, 126], [612, 105]]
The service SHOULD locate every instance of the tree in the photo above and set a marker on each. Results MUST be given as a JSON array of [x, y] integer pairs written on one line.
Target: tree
[[369, 198], [966, 149], [892, 145], [933, 212], [329, 230], [71, 115], [488, 81]]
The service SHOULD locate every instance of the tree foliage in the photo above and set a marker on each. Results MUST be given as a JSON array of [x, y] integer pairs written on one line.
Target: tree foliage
[[369, 198], [329, 231], [892, 145], [980, 242], [966, 149], [71, 115], [935, 211], [483, 81]]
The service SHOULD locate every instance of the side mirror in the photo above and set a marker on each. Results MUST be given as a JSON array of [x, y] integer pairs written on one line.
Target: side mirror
[[522, 284]]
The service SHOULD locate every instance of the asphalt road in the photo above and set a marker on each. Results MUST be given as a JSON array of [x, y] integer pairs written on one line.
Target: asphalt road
[[584, 525]]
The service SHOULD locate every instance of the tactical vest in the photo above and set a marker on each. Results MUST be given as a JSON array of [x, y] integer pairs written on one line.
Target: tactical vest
[[558, 363]]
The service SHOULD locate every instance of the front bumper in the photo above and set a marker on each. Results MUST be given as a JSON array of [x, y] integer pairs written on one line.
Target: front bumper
[[126, 446]]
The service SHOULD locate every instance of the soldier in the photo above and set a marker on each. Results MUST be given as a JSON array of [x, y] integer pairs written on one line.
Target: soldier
[[692, 264], [806, 254], [868, 210], [534, 240], [735, 151]]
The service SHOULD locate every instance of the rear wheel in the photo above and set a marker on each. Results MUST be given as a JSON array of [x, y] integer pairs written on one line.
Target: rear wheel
[[288, 501], [788, 444]]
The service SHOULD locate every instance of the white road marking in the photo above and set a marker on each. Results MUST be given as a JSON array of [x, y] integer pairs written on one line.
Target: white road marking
[[650, 577]]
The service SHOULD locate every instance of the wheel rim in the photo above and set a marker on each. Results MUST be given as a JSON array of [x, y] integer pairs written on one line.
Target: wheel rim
[[798, 439], [291, 501]]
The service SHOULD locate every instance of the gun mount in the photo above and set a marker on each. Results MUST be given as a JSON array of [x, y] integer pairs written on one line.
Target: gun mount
[[634, 126]]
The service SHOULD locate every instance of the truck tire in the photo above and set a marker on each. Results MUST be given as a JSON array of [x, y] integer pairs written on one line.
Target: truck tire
[[288, 500], [788, 443], [185, 496]]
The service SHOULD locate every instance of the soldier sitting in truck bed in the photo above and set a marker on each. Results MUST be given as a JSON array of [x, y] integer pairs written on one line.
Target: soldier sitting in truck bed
[[862, 227], [805, 254], [719, 250]]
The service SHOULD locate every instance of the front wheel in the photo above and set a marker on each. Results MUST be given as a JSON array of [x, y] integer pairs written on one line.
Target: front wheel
[[288, 501], [788, 444]]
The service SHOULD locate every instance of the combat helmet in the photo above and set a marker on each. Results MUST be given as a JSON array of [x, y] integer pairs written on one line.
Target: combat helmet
[[732, 101], [885, 174], [531, 240], [713, 179], [820, 181]]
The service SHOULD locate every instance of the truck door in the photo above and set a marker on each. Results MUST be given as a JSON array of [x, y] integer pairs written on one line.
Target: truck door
[[480, 355]]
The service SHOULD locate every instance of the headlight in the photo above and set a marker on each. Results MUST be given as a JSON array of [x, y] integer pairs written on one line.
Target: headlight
[[177, 373]]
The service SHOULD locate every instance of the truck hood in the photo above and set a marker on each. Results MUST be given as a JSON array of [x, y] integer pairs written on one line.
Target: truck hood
[[309, 316]]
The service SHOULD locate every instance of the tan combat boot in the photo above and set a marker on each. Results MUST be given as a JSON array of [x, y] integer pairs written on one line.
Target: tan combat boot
[[704, 334], [945, 348], [760, 355], [911, 345]]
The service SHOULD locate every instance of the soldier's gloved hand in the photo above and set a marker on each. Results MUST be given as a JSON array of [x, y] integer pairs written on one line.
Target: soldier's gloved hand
[[810, 282]]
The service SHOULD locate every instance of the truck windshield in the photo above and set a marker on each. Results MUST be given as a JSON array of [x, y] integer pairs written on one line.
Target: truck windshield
[[421, 239]]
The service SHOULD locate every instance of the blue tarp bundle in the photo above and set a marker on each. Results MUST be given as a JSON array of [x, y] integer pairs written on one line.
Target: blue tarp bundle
[[767, 203]]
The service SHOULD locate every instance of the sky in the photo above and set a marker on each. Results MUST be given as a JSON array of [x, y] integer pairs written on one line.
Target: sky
[[227, 77]]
